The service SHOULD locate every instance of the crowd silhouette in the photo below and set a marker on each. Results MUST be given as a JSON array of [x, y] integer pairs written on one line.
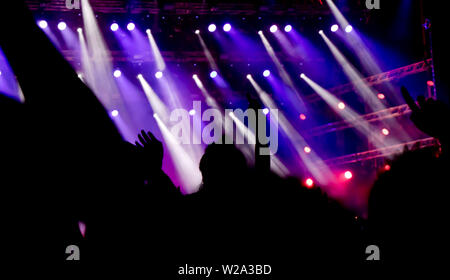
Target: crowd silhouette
[[59, 168]]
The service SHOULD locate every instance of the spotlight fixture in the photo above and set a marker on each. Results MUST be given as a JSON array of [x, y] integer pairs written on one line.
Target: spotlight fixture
[[79, 29], [341, 105], [226, 27], [321, 32], [260, 32], [213, 74], [273, 28], [131, 26], [309, 183], [307, 149], [348, 175], [288, 28], [348, 29], [197, 31], [158, 75], [139, 76], [192, 112], [266, 73], [194, 76], [381, 96], [302, 75], [212, 27], [385, 131], [334, 28], [265, 111], [117, 73], [302, 117], [62, 25], [114, 113], [43, 24], [114, 27], [248, 76]]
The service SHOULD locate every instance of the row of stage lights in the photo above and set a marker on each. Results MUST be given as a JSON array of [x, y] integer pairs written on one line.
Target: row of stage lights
[[211, 28], [341, 105]]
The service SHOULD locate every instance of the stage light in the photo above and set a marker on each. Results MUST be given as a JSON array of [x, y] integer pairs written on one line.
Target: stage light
[[266, 73], [114, 113], [212, 27], [213, 74], [79, 29], [430, 83], [155, 115], [341, 105], [320, 32], [62, 25], [226, 27], [307, 149], [334, 28], [309, 183], [381, 96], [158, 75], [348, 29], [114, 27], [148, 31], [117, 73], [131, 26], [197, 31], [302, 75], [265, 111], [139, 76], [260, 32], [385, 131], [194, 76], [302, 117], [43, 24], [273, 28], [288, 28], [348, 175], [192, 112], [249, 76], [387, 167]]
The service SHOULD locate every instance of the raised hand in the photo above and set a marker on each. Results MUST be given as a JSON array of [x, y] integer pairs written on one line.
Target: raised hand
[[152, 148], [429, 115]]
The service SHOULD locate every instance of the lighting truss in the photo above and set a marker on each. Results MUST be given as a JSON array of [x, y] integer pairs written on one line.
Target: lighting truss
[[388, 76], [380, 153]]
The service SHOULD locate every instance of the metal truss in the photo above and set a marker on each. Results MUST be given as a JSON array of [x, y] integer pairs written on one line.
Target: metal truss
[[395, 74], [381, 153], [181, 57], [392, 112], [388, 113], [248, 8]]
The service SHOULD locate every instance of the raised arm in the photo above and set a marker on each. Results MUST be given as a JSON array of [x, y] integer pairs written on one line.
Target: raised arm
[[48, 81]]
